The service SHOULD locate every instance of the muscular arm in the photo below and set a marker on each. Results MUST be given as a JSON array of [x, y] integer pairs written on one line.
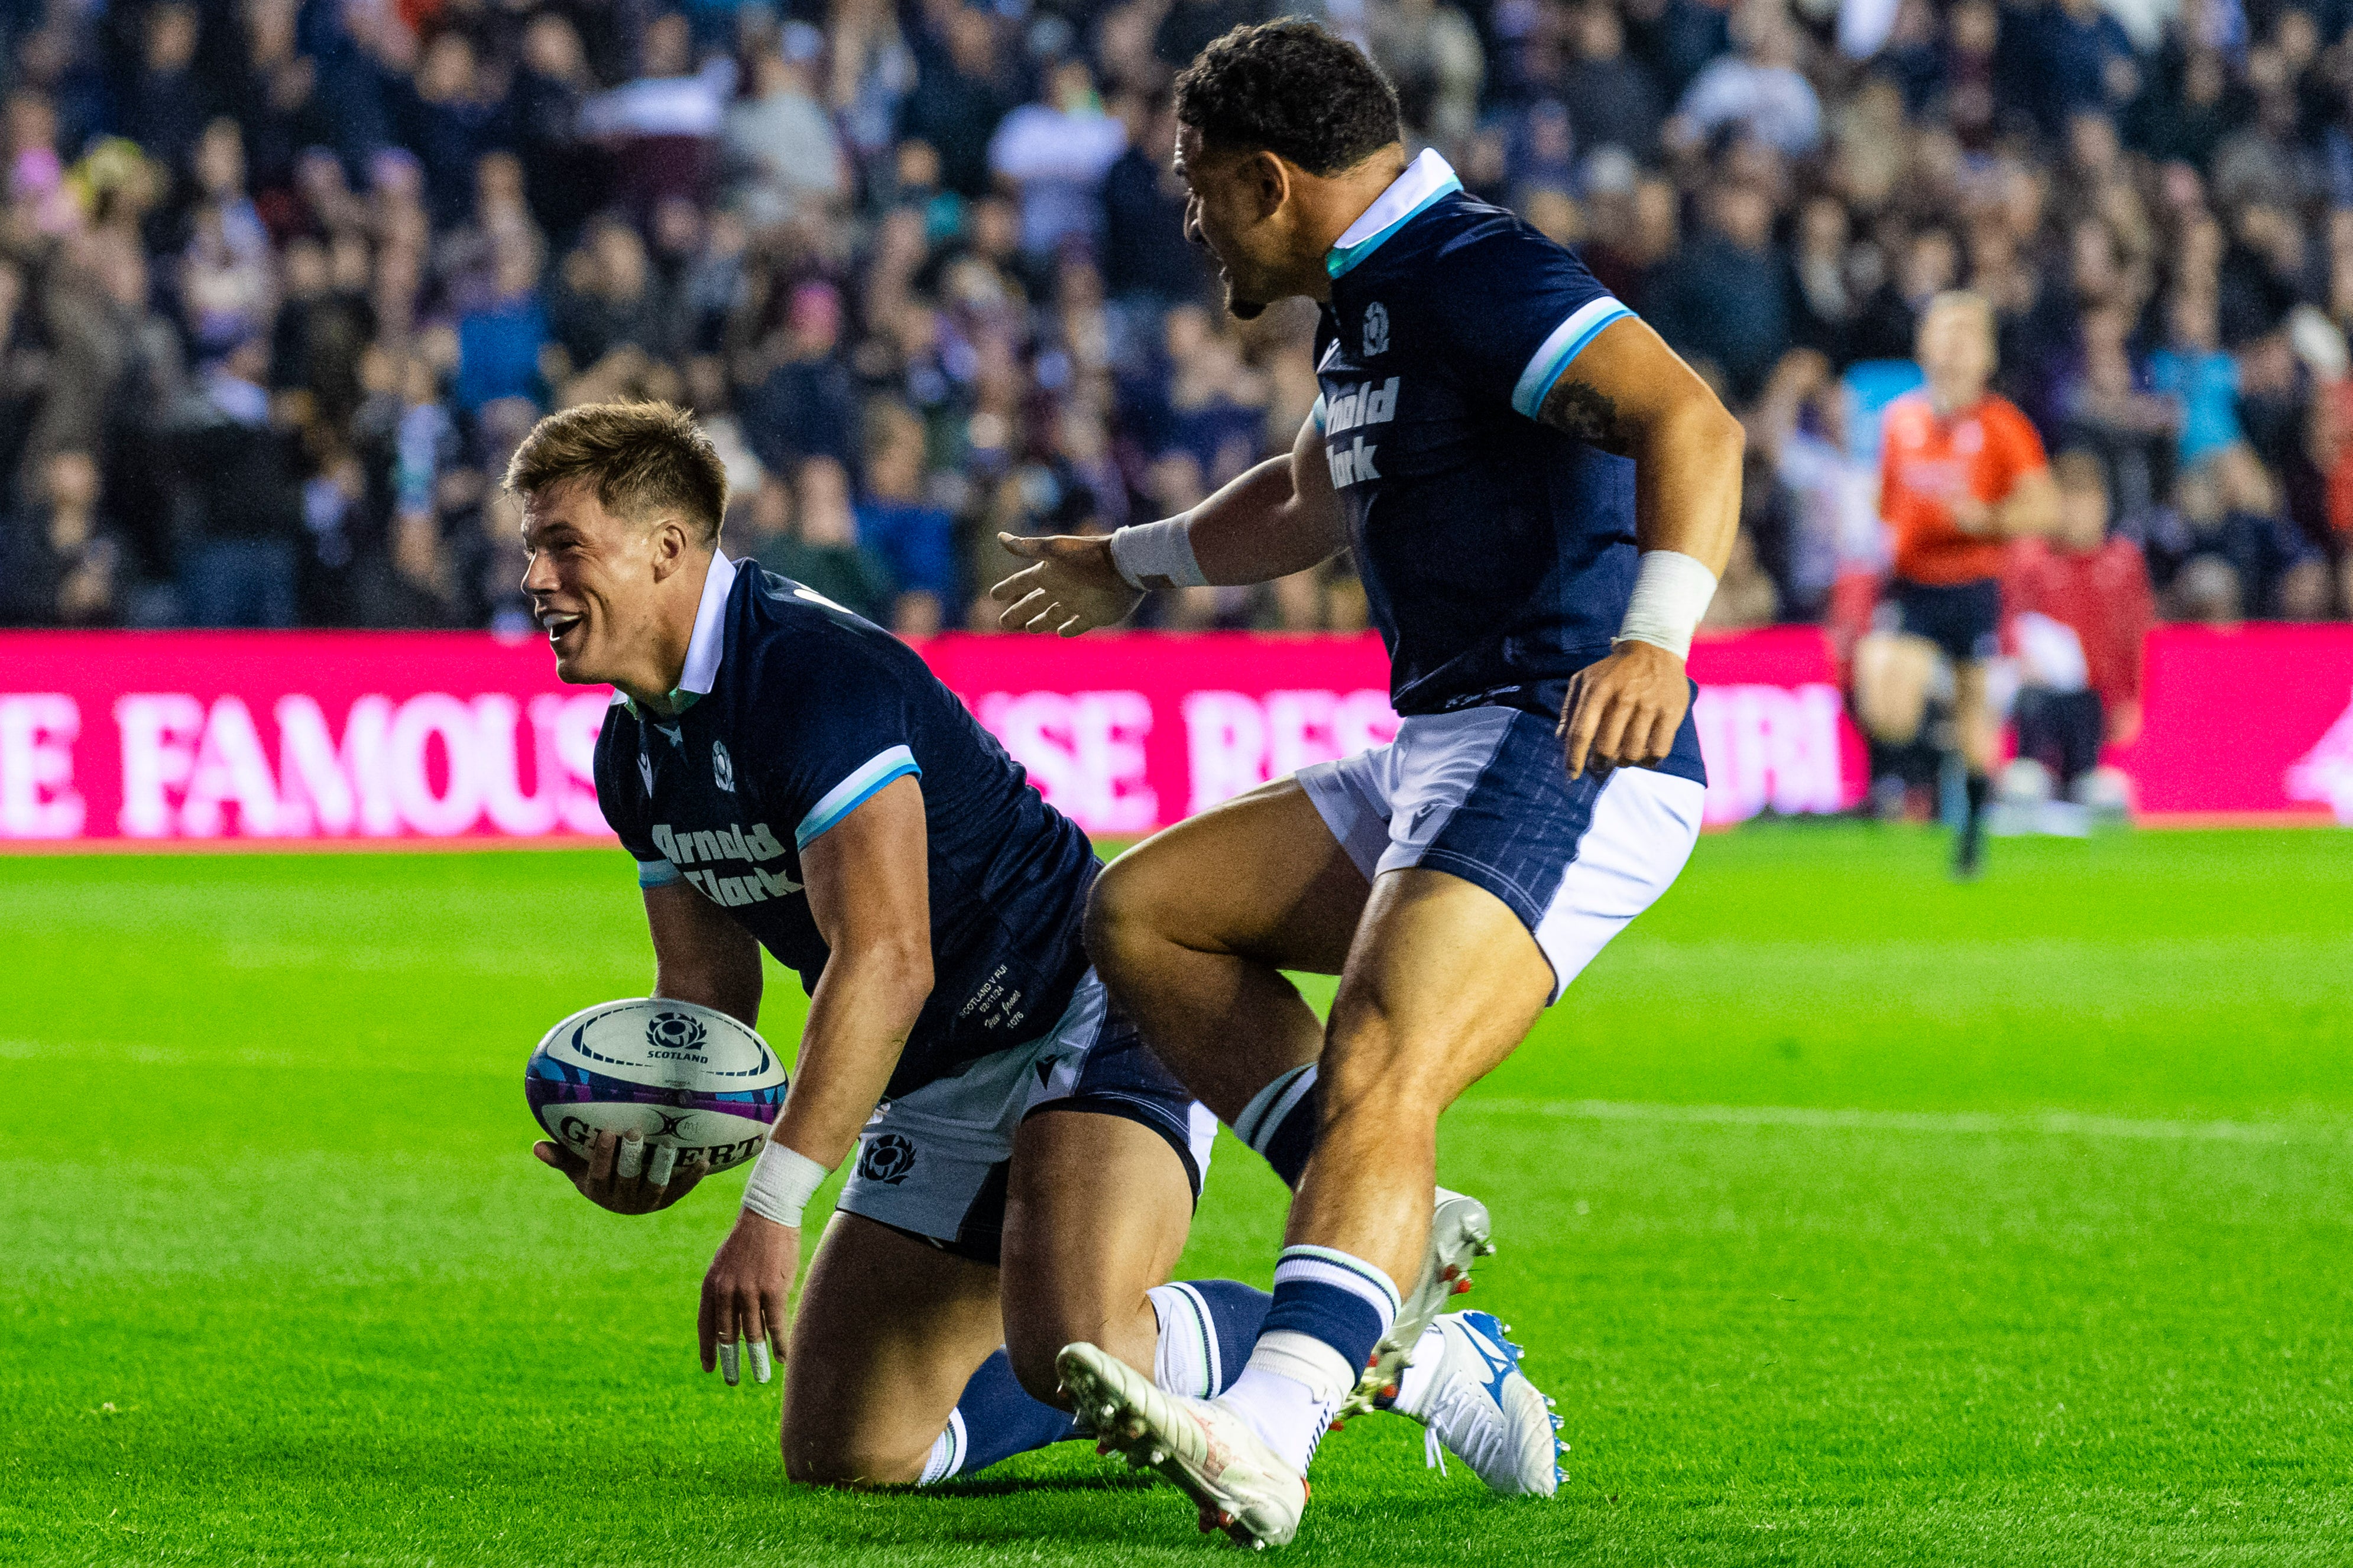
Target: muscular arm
[[868, 888], [1629, 393], [700, 955], [1278, 518]]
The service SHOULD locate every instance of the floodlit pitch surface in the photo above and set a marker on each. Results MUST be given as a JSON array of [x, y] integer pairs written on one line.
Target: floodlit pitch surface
[[1852, 1217]]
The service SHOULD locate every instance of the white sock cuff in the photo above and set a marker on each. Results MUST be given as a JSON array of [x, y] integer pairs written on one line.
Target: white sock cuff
[[947, 1452], [1328, 1266], [1307, 1360], [1271, 1105], [1186, 1360]]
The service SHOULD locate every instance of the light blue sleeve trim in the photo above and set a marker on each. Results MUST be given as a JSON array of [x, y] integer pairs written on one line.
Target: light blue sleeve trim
[[852, 793], [1566, 342], [656, 874], [1316, 413]]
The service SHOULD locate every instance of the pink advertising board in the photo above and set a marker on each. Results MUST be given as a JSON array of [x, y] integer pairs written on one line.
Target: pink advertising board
[[346, 738]]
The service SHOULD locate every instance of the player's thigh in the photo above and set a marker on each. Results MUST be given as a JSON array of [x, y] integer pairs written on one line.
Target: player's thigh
[[889, 1329], [1444, 979], [1893, 674], [1096, 1213], [1261, 877]]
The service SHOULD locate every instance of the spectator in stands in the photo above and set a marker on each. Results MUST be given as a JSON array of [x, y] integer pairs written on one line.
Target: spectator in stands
[[816, 543], [1055, 154], [1611, 102], [59, 564], [2078, 606], [406, 202], [912, 538], [238, 468]]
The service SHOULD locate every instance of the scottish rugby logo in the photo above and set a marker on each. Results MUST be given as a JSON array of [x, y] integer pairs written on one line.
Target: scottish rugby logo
[[886, 1158], [674, 1035]]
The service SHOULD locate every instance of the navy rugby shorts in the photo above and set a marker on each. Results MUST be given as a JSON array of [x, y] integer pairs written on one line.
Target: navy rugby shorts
[[1483, 793], [934, 1162]]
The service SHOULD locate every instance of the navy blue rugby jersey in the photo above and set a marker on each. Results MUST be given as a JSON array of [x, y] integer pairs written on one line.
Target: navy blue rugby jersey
[[793, 712], [1497, 554]]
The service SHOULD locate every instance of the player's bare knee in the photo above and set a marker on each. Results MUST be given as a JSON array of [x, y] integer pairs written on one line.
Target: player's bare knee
[[1119, 929]]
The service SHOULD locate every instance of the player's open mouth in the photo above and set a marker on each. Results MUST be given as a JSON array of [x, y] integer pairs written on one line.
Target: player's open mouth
[[556, 626]]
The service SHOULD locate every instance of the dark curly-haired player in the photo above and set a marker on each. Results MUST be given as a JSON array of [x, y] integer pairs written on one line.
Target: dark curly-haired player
[[1540, 495]]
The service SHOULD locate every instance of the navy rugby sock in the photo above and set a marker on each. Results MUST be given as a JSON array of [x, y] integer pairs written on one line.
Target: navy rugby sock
[[995, 1419], [1330, 1310], [1206, 1328], [1281, 1121]]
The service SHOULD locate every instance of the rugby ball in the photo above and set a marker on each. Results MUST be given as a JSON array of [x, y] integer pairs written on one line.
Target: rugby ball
[[684, 1076]]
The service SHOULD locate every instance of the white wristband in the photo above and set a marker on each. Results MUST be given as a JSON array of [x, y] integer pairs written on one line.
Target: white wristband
[[782, 1181], [1156, 554], [1671, 593]]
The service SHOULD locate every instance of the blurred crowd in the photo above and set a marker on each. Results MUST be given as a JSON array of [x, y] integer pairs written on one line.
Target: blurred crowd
[[283, 282]]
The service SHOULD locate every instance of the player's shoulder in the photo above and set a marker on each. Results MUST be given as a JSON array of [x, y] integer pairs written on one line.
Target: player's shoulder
[[1462, 238], [791, 651]]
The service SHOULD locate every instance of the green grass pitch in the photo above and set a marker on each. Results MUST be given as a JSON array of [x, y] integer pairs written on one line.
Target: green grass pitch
[[1852, 1217]]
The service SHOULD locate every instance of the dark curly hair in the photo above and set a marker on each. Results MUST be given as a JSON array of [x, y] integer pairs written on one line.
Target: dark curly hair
[[1292, 89]]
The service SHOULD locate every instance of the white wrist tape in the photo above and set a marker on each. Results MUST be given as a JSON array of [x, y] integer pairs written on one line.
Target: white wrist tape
[[782, 1181], [1157, 550], [1671, 593]]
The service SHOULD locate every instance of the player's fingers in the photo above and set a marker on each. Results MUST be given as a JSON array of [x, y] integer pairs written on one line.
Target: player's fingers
[[561, 1158], [1015, 585], [706, 1326], [1609, 731], [1025, 546], [660, 1165], [1663, 725], [629, 1160], [730, 1361], [772, 1307], [603, 1149], [690, 1170], [1028, 607], [725, 1332], [762, 1368], [1569, 705], [1582, 720]]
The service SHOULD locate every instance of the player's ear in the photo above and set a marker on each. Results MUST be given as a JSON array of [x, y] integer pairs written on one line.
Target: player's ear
[[1267, 178], [670, 545]]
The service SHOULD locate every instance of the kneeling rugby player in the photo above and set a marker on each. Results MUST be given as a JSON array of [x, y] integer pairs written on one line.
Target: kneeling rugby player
[[789, 776]]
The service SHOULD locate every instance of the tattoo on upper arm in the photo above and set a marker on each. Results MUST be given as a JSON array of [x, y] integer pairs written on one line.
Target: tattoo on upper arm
[[1586, 411]]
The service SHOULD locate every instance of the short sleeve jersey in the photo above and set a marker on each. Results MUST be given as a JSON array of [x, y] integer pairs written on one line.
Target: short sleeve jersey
[[811, 711], [1925, 463], [1497, 552]]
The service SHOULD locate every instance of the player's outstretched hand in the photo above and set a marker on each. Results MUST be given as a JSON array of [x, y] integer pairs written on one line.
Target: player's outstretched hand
[[1070, 587], [743, 1295], [621, 1175], [1623, 712]]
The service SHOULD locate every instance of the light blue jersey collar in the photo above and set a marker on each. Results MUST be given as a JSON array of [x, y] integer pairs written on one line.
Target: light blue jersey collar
[[1425, 180], [704, 646]]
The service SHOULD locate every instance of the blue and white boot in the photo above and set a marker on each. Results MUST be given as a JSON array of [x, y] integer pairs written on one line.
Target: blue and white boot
[[1466, 1386]]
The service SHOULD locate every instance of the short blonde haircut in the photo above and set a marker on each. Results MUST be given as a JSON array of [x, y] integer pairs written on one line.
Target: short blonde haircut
[[641, 458]]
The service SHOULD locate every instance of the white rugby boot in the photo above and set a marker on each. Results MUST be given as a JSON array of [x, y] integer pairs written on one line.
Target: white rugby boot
[[1459, 1235], [1480, 1407], [1206, 1450]]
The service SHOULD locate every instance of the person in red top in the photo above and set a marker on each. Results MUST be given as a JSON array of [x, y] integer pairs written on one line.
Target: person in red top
[[1961, 474], [2079, 606]]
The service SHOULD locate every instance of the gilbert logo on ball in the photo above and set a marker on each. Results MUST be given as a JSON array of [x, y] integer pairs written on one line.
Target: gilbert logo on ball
[[679, 1075]]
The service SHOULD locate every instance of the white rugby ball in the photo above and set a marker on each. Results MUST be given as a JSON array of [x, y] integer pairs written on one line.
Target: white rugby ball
[[680, 1075]]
